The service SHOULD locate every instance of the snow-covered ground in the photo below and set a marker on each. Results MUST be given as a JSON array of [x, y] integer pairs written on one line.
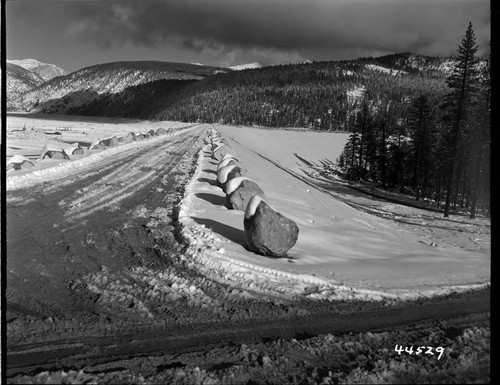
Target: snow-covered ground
[[341, 252], [246, 66], [391, 71], [28, 135]]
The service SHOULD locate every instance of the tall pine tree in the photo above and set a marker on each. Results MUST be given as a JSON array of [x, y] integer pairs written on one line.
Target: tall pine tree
[[459, 103]]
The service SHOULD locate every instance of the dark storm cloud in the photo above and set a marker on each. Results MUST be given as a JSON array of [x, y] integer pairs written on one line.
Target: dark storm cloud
[[318, 29]]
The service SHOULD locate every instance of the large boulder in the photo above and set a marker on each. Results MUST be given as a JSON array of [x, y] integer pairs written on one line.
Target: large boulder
[[227, 173], [51, 150], [226, 162], [222, 174], [235, 172], [110, 142], [131, 136], [19, 162], [97, 145], [267, 231], [74, 149], [218, 142], [239, 191], [219, 152], [124, 139]]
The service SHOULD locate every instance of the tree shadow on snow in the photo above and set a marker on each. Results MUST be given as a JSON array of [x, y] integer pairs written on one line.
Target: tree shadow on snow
[[233, 234], [212, 198]]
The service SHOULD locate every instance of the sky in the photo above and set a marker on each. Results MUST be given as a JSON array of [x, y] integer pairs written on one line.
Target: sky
[[77, 33]]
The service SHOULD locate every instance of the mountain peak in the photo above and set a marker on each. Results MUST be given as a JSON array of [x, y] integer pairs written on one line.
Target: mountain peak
[[45, 70]]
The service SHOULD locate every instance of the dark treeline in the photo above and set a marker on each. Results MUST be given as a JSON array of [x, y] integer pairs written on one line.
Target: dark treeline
[[321, 95], [437, 146]]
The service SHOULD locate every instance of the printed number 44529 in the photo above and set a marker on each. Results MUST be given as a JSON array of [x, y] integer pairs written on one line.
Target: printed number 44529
[[428, 350]]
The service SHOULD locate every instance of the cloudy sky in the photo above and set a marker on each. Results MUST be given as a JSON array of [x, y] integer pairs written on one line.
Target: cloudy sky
[[76, 33]]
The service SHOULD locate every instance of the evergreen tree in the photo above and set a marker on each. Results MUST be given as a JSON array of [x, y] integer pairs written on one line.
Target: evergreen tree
[[459, 103], [480, 140], [420, 117]]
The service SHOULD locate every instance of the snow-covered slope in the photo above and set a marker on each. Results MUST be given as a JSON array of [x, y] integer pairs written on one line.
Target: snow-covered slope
[[246, 66], [111, 78], [45, 70], [385, 70], [342, 252], [20, 80]]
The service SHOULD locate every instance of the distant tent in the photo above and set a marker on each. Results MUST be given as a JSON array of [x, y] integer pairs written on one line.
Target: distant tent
[[161, 131], [74, 149], [96, 145], [140, 136], [110, 142], [18, 162], [52, 151], [123, 139], [152, 132], [147, 135]]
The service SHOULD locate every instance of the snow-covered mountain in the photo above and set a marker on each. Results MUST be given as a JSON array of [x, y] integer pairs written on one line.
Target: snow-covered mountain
[[45, 70], [110, 78], [20, 80], [246, 66]]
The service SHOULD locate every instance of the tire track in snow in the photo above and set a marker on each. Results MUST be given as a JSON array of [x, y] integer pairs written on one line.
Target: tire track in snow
[[125, 180]]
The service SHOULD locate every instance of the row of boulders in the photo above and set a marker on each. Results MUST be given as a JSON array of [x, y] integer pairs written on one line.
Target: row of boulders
[[56, 151], [267, 231]]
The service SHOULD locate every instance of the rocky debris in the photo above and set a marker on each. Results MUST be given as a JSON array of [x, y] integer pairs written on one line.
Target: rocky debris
[[239, 191], [267, 231]]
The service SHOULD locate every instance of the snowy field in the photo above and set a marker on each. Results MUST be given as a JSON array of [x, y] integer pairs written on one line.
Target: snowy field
[[27, 135], [341, 252]]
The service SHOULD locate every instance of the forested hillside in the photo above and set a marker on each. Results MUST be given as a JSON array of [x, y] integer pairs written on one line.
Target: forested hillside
[[320, 95], [83, 86], [437, 144]]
